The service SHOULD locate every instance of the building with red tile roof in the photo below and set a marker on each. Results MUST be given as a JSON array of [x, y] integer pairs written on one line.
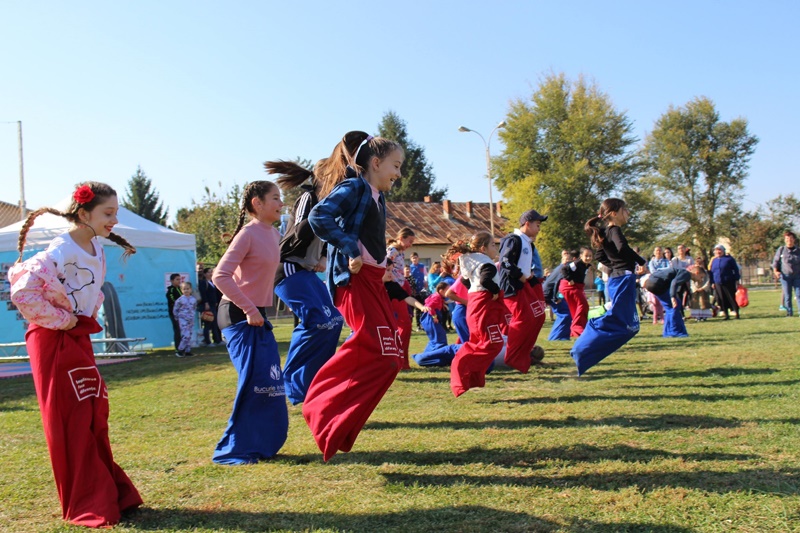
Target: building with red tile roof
[[9, 214], [434, 222]]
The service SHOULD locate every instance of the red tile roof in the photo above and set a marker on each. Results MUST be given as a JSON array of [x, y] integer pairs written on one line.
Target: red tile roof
[[431, 226], [9, 214]]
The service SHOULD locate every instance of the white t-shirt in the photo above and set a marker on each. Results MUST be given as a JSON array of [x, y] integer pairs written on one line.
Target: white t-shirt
[[470, 266], [80, 272]]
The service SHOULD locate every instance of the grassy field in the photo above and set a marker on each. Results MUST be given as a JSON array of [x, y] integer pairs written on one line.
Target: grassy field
[[668, 436]]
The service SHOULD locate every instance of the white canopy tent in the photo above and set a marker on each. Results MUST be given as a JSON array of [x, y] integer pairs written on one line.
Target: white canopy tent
[[135, 288]]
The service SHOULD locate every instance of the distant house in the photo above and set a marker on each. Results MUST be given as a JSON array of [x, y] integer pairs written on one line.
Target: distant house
[[433, 222], [9, 214]]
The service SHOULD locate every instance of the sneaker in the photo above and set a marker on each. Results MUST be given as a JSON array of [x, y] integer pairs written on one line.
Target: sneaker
[[188, 353], [220, 343], [179, 354]]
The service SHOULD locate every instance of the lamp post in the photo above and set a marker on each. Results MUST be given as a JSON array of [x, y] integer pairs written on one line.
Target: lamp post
[[488, 167], [23, 210]]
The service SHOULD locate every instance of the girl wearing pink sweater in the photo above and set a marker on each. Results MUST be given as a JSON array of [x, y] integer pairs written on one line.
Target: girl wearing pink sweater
[[259, 422]]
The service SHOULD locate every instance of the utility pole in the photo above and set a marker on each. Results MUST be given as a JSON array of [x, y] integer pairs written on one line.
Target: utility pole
[[23, 211]]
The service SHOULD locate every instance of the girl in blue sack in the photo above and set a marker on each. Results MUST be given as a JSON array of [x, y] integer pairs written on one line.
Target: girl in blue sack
[[259, 422], [606, 334]]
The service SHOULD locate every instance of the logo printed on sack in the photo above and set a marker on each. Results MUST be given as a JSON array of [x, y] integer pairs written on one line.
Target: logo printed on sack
[[326, 310], [271, 391], [495, 335], [509, 316], [86, 382], [538, 308], [275, 372], [388, 341]]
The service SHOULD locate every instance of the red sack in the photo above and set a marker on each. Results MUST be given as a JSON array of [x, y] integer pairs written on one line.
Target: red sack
[[741, 296]]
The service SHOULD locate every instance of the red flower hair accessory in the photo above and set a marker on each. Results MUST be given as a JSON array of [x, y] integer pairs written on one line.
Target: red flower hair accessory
[[83, 194]]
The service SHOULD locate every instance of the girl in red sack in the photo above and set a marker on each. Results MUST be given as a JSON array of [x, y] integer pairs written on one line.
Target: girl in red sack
[[396, 260], [572, 287], [352, 220], [485, 314], [58, 292]]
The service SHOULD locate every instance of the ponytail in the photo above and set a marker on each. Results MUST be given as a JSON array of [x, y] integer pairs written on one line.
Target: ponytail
[[595, 227], [26, 226], [404, 233], [291, 174]]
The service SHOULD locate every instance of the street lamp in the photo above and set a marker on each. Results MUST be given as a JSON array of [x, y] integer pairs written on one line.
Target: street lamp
[[488, 168]]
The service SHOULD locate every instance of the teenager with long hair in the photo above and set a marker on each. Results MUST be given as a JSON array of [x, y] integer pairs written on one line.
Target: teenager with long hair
[[245, 274], [58, 292], [352, 220], [606, 334], [316, 334]]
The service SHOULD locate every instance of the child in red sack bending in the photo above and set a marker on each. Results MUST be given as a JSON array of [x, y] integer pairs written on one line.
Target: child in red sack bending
[[58, 292]]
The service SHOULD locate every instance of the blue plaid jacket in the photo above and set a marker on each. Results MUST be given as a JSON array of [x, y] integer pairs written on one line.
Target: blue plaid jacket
[[337, 220]]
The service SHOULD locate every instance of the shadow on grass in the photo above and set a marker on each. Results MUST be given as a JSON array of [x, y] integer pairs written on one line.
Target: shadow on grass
[[580, 453], [663, 422], [720, 372], [458, 518], [715, 385], [628, 398], [783, 481]]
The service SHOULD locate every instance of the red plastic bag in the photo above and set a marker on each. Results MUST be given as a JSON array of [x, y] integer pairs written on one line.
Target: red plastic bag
[[741, 296]]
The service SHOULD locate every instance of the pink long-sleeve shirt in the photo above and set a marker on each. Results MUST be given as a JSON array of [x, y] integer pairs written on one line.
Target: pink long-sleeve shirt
[[246, 272]]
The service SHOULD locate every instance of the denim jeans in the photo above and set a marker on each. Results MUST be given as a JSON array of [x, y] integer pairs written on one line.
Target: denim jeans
[[789, 284]]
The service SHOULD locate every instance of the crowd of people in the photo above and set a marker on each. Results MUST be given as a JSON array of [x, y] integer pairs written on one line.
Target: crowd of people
[[495, 297]]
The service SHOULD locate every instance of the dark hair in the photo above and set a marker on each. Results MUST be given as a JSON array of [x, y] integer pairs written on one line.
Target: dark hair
[[442, 285], [574, 254], [402, 234], [595, 227], [173, 276], [414, 254], [355, 150], [255, 189], [465, 246], [789, 233], [586, 249], [290, 174], [101, 193]]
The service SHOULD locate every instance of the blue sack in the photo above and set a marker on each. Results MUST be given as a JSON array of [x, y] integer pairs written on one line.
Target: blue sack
[[315, 338], [437, 352], [563, 322], [673, 318], [608, 333], [259, 422]]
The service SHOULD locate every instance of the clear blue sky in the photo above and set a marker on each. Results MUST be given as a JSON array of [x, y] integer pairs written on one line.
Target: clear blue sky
[[203, 92]]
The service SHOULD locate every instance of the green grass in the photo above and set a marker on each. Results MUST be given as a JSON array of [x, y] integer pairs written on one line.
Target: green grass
[[668, 436]]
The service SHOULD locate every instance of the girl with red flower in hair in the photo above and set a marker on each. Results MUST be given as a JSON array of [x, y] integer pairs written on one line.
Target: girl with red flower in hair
[[58, 292]]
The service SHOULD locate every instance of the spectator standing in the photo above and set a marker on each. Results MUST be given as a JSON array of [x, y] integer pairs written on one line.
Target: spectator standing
[[786, 266], [209, 296], [173, 293], [724, 275], [683, 259]]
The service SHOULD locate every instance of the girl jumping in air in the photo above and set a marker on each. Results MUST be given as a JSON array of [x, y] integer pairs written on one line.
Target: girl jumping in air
[[58, 292], [608, 333], [259, 422], [352, 220], [316, 335]]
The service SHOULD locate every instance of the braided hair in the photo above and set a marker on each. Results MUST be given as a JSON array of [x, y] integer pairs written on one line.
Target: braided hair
[[100, 191], [254, 189]]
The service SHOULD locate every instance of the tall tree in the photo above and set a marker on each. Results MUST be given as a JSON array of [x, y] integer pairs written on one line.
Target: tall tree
[[142, 199], [757, 234], [698, 164], [212, 220], [418, 178], [566, 149]]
